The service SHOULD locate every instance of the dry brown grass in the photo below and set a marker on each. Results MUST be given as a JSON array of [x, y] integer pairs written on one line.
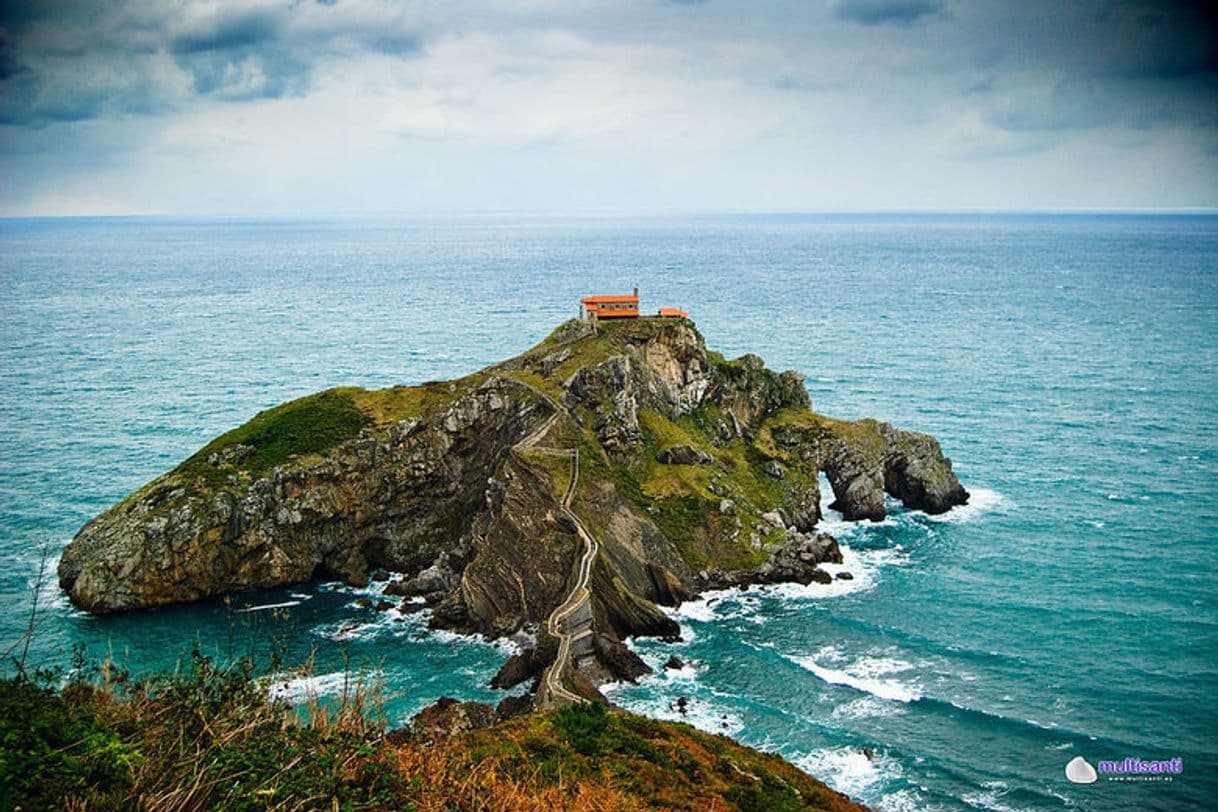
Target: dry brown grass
[[207, 738]]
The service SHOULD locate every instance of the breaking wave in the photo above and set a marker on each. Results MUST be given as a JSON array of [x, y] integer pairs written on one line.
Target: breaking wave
[[871, 675]]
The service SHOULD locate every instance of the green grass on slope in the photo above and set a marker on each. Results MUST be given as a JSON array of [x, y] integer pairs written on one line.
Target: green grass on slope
[[308, 425], [317, 423]]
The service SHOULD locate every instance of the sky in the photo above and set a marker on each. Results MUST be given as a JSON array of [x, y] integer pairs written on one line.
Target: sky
[[366, 107]]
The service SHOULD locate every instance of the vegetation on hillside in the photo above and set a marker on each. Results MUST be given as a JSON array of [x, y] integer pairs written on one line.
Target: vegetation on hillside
[[308, 425], [682, 500], [314, 424], [209, 738]]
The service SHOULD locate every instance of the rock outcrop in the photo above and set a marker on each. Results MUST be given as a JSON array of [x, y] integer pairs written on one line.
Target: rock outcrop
[[448, 717], [694, 471], [795, 561], [684, 455], [399, 497], [865, 459]]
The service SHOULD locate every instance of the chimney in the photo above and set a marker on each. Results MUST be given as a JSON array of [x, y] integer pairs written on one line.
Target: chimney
[[636, 291]]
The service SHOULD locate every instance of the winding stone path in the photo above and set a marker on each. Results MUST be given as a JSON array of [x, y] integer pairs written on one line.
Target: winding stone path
[[552, 690]]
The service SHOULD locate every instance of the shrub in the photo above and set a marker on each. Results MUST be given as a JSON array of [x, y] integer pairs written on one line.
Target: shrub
[[585, 725], [55, 745]]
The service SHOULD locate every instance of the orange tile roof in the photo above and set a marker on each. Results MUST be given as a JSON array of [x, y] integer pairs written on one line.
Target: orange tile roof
[[673, 311], [629, 297]]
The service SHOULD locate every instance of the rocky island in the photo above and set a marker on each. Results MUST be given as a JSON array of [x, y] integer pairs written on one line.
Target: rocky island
[[564, 495]]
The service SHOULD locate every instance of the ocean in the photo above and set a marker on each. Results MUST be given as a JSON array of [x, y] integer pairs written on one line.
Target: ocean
[[1067, 363]]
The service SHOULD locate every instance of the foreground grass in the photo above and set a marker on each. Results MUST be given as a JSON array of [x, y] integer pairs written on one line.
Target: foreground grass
[[208, 738], [202, 738]]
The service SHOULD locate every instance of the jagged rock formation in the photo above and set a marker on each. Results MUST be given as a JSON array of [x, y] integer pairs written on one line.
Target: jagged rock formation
[[695, 471]]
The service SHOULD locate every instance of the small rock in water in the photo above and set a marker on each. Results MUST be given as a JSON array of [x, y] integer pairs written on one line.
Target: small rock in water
[[682, 705], [381, 606], [674, 664], [364, 603], [820, 576], [845, 576]]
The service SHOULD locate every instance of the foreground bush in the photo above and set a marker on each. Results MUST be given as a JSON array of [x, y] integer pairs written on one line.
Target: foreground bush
[[203, 738], [209, 738]]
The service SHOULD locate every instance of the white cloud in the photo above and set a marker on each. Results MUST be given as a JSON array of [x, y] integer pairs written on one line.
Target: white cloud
[[370, 106]]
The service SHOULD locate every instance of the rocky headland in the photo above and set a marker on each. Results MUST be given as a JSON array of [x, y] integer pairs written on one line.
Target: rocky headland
[[563, 496]]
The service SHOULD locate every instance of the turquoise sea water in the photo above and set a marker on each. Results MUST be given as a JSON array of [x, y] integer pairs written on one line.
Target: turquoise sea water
[[1068, 364]]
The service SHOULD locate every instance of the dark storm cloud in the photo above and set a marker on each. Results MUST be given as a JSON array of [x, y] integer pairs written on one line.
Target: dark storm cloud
[[1164, 40], [1139, 39], [881, 12], [242, 55], [8, 60], [71, 61], [228, 32], [1135, 64]]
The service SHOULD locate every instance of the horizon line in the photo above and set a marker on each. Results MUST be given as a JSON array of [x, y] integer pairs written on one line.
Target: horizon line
[[622, 213]]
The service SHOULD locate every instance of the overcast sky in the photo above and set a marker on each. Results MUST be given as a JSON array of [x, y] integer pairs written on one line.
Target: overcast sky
[[370, 107]]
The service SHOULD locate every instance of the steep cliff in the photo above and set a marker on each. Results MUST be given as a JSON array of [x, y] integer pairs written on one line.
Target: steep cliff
[[687, 469]]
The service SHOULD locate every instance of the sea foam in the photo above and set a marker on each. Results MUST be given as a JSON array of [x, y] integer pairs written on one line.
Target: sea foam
[[726, 604], [980, 501], [990, 797], [285, 688], [264, 606], [849, 769], [870, 674], [704, 714]]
